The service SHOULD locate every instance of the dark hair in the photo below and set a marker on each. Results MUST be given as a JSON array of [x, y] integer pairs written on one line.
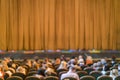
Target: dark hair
[[41, 72], [113, 57], [73, 57]]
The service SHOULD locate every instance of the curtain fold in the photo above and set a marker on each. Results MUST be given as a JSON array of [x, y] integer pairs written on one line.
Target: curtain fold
[[59, 24]]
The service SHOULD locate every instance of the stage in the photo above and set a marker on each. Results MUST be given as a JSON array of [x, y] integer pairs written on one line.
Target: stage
[[52, 55]]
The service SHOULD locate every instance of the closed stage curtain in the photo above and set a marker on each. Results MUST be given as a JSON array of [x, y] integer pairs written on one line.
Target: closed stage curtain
[[59, 24]]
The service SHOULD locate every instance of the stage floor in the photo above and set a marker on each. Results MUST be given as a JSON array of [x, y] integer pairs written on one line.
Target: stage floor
[[52, 55]]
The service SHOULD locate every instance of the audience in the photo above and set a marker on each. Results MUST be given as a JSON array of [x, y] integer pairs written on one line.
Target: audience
[[46, 67]]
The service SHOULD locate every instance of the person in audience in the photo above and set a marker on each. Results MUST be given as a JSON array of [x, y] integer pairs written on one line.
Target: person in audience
[[76, 59], [49, 69], [57, 63], [81, 61], [103, 61], [106, 67], [14, 65], [113, 58], [89, 61], [21, 70], [67, 59], [29, 63], [99, 64], [1, 72], [63, 65], [113, 73], [94, 66], [40, 74], [11, 69], [47, 61], [71, 61], [4, 64], [76, 66], [9, 73], [70, 73], [41, 70], [11, 63], [62, 57], [113, 61], [35, 64]]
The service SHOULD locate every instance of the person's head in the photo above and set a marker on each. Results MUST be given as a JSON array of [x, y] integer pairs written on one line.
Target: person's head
[[46, 59], [57, 61], [113, 57], [114, 72], [73, 57], [103, 61], [6, 59], [14, 66], [76, 58], [72, 61], [20, 68], [41, 72], [95, 65], [99, 64], [80, 57], [36, 60], [62, 58]]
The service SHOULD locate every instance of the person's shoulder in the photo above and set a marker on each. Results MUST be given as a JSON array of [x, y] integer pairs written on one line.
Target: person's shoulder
[[63, 76], [74, 74]]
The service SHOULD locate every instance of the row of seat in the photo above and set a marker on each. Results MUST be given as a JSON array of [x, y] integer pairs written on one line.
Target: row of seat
[[88, 77], [94, 75]]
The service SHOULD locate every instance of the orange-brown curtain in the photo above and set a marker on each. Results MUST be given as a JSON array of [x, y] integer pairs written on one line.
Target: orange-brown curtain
[[59, 24]]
